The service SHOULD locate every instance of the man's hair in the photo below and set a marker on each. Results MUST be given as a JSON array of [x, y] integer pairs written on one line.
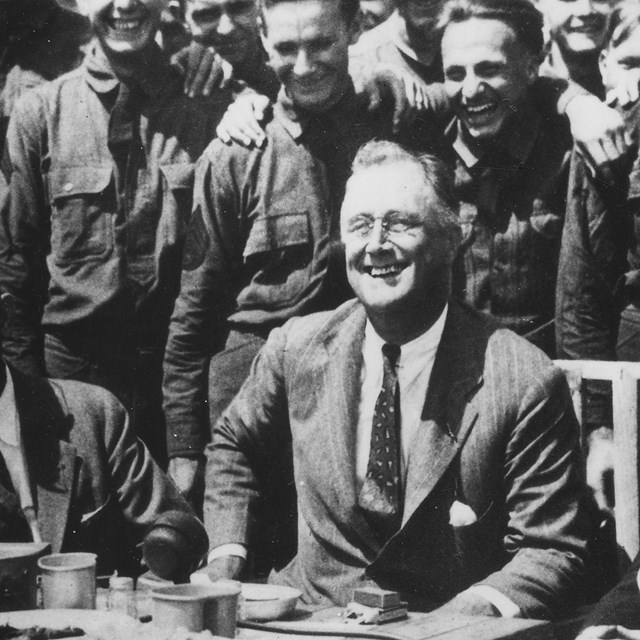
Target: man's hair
[[521, 15], [437, 177], [622, 22], [348, 8]]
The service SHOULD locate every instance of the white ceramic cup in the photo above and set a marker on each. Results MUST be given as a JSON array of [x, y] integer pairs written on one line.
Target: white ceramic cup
[[196, 607], [68, 581]]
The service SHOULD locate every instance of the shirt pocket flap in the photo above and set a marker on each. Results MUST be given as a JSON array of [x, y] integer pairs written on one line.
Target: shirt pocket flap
[[71, 181], [278, 231], [178, 176]]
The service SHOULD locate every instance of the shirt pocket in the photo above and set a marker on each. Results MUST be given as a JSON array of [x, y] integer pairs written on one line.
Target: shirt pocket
[[81, 213], [278, 257]]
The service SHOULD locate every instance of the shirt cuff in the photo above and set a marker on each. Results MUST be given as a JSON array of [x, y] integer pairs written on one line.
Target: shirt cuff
[[230, 549], [506, 607]]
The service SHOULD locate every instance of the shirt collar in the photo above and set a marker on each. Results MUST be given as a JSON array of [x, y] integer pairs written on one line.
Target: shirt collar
[[158, 79], [296, 121], [516, 141], [9, 423], [419, 347]]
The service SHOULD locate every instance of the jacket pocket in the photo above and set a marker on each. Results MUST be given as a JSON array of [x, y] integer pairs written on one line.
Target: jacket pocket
[[477, 545], [81, 213], [278, 257]]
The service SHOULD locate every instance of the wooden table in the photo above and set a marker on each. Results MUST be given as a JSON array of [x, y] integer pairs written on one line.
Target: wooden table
[[327, 624]]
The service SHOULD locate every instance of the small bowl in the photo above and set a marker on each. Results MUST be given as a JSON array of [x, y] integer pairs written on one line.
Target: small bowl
[[267, 601]]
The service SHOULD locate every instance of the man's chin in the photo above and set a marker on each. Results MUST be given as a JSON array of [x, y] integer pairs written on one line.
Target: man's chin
[[486, 131]]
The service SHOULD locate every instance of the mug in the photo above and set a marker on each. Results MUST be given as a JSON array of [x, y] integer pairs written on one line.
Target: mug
[[196, 607], [68, 581]]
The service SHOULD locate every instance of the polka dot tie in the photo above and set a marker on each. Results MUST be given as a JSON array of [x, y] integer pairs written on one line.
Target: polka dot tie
[[380, 495]]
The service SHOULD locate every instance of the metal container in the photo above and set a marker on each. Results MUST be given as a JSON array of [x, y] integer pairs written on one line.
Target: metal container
[[18, 574]]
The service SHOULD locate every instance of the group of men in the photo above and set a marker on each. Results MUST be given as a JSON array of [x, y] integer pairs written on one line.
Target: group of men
[[407, 438]]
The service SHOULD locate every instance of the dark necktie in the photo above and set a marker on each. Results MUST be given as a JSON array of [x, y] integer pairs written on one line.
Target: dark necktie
[[380, 496]]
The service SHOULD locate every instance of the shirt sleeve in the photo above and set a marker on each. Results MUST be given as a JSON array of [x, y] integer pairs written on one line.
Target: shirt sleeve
[[208, 290], [24, 233], [506, 606]]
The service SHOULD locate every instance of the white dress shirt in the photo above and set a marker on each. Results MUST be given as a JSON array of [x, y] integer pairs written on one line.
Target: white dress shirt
[[14, 456], [414, 370]]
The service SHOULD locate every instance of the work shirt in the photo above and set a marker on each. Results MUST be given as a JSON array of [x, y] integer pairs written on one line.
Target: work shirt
[[263, 247], [87, 246], [513, 197], [599, 270]]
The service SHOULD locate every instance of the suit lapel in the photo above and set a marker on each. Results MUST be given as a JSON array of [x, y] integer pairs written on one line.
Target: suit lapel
[[44, 424], [339, 382], [447, 417]]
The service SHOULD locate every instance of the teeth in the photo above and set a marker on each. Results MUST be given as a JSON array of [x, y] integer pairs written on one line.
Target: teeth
[[377, 272], [479, 109], [126, 25]]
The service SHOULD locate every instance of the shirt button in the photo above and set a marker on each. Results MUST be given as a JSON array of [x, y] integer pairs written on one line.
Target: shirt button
[[67, 187]]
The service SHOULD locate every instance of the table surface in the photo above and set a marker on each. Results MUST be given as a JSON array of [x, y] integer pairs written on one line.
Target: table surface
[[418, 626]]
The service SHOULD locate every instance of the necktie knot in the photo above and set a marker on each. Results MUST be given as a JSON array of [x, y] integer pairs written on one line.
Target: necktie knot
[[391, 353]]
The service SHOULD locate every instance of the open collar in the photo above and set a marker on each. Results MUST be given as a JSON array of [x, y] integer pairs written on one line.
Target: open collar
[[158, 79], [296, 121], [514, 144]]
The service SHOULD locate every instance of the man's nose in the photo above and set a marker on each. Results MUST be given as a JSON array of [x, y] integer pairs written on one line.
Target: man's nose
[[378, 237], [472, 86], [225, 24], [303, 64]]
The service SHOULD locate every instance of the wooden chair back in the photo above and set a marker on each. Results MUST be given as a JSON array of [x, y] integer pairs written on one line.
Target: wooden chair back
[[624, 378]]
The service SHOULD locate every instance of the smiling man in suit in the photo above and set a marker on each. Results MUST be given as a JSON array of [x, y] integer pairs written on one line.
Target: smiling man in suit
[[433, 452]]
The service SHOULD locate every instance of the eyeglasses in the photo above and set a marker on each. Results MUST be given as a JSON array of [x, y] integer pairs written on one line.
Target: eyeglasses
[[395, 225]]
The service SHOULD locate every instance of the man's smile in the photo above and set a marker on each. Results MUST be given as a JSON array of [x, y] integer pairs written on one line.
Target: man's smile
[[126, 27], [385, 271]]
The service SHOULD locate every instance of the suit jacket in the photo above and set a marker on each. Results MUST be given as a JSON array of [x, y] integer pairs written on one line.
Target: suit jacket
[[95, 485], [498, 433]]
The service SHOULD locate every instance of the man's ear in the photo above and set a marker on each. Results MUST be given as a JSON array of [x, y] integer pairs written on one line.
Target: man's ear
[[602, 63]]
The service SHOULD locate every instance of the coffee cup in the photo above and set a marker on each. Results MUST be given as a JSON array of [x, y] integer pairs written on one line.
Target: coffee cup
[[68, 580], [196, 607]]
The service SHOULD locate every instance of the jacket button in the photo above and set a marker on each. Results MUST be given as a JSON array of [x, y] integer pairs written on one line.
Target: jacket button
[[67, 187]]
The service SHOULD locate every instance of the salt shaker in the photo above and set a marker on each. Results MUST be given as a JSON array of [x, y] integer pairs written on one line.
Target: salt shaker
[[122, 597]]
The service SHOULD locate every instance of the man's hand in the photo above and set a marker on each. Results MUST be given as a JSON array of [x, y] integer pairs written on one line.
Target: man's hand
[[598, 130], [627, 91], [615, 632], [186, 473], [468, 604], [243, 121], [203, 69], [225, 568], [600, 469], [385, 81]]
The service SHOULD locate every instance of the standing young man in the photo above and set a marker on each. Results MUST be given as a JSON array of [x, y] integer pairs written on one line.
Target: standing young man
[[511, 163], [263, 245], [99, 166]]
